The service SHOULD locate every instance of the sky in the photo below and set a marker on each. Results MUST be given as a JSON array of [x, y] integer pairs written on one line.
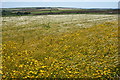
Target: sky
[[60, 0], [60, 3]]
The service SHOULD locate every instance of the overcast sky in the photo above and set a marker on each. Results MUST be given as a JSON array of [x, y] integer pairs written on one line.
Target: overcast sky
[[60, 0], [60, 3]]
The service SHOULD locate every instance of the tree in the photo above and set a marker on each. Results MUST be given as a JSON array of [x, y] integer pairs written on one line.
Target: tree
[[5, 13]]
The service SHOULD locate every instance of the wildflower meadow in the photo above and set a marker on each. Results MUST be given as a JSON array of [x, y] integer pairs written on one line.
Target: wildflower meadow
[[60, 46]]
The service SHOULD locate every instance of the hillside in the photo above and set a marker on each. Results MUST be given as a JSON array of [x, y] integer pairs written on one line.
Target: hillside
[[54, 10]]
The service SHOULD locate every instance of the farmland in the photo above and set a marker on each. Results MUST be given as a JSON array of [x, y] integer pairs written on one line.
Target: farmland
[[30, 11], [60, 46]]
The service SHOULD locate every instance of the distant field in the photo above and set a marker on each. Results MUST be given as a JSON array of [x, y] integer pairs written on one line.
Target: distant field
[[60, 46], [53, 11], [44, 12]]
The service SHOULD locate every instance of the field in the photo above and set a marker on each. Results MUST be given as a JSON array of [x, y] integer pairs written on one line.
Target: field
[[32, 11], [60, 46]]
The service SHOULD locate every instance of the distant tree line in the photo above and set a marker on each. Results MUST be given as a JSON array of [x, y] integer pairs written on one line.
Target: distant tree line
[[83, 12], [22, 13], [10, 13]]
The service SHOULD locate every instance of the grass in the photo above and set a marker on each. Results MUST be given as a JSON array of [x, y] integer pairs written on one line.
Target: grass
[[74, 12], [74, 46], [55, 11], [44, 12]]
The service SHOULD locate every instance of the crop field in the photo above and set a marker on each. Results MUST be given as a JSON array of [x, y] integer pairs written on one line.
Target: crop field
[[60, 46]]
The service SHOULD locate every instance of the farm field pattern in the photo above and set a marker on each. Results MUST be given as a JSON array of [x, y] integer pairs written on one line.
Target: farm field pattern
[[60, 46]]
